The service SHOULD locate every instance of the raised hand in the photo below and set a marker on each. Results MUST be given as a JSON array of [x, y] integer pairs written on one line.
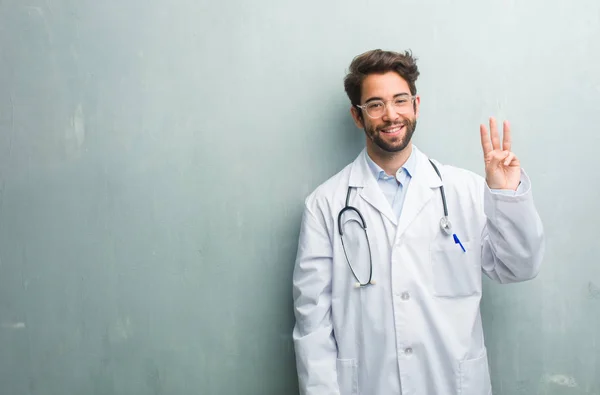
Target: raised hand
[[502, 168]]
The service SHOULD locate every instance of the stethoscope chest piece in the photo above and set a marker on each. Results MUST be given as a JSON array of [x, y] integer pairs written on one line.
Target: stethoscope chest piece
[[446, 225]]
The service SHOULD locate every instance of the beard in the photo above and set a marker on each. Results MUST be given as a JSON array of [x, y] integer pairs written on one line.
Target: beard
[[396, 144]]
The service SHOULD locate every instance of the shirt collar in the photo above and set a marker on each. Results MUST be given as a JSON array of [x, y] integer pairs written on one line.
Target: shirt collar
[[408, 167]]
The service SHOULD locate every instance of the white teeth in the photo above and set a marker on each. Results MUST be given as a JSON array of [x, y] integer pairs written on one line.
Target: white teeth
[[394, 130]]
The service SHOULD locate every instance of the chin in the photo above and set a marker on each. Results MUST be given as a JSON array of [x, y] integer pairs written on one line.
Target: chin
[[394, 147]]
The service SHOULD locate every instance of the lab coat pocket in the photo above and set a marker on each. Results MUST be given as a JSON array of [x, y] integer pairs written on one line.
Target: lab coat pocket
[[347, 373], [475, 376], [456, 273]]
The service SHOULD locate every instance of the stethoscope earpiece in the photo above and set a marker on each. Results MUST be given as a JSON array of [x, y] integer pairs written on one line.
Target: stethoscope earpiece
[[359, 285]]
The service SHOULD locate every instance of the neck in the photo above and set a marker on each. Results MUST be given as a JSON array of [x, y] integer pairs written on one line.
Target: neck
[[390, 162]]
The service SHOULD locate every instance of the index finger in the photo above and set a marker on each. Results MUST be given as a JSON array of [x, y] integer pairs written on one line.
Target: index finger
[[506, 140], [486, 142]]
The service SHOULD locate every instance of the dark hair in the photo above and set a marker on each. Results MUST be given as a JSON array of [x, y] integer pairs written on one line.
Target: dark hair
[[380, 62]]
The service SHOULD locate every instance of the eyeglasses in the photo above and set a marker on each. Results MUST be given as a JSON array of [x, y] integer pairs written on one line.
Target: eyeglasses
[[376, 108]]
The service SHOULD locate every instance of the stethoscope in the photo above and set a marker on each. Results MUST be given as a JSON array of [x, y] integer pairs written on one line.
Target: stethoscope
[[445, 226]]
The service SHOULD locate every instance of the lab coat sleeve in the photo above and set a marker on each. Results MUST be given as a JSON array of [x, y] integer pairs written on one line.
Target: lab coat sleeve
[[513, 237], [314, 342]]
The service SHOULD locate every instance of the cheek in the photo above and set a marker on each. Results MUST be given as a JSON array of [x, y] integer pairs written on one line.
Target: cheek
[[370, 125]]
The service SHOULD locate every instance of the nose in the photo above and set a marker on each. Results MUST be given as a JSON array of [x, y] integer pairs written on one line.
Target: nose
[[390, 113]]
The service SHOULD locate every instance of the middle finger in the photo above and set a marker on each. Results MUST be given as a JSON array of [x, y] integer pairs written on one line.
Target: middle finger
[[494, 134]]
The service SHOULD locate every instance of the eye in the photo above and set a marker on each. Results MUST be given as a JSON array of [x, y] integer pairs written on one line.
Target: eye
[[375, 105], [401, 101]]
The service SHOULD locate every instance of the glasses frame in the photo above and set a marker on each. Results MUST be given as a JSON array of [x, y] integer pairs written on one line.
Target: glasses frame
[[385, 104]]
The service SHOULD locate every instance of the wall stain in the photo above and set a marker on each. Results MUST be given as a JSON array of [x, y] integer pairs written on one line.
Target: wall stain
[[593, 291]]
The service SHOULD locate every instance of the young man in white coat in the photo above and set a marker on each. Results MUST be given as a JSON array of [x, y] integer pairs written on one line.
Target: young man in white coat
[[387, 280]]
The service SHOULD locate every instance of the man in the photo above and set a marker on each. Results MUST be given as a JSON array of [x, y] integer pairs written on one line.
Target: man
[[387, 281]]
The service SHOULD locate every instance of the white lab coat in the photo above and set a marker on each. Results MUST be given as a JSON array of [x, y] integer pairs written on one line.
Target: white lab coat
[[418, 330]]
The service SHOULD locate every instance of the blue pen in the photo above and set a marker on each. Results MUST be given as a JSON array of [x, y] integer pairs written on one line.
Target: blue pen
[[456, 241]]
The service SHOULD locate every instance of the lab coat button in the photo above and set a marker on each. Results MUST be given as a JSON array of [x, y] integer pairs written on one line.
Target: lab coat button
[[408, 351], [405, 296]]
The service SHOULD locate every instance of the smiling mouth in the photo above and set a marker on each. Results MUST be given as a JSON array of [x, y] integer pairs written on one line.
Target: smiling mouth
[[392, 130]]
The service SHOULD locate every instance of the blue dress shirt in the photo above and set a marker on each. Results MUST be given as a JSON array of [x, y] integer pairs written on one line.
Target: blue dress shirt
[[394, 187]]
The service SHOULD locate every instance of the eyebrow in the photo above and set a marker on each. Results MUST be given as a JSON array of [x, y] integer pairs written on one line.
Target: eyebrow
[[379, 98]]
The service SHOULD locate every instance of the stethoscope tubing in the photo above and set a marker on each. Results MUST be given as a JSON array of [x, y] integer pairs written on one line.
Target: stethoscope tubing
[[445, 225]]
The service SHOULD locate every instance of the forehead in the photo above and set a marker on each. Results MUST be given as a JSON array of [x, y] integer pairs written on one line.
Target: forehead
[[384, 86]]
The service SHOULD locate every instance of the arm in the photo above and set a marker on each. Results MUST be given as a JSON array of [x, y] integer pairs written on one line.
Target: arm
[[314, 342], [513, 237]]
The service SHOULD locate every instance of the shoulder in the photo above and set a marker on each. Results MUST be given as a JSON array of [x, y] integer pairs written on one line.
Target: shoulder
[[323, 196], [460, 178]]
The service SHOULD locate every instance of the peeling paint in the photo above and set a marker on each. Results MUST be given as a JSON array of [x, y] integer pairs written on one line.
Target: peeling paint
[[14, 325], [560, 379]]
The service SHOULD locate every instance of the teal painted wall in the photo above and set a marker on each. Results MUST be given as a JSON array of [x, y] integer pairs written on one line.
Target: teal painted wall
[[154, 157]]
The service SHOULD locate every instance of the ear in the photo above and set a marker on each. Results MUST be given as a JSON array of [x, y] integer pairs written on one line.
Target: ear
[[357, 116], [417, 105]]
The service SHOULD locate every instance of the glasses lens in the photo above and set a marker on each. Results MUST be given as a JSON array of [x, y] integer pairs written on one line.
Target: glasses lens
[[375, 109], [401, 105]]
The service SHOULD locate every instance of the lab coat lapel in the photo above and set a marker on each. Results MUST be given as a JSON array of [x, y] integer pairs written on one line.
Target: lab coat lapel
[[362, 178], [420, 192]]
